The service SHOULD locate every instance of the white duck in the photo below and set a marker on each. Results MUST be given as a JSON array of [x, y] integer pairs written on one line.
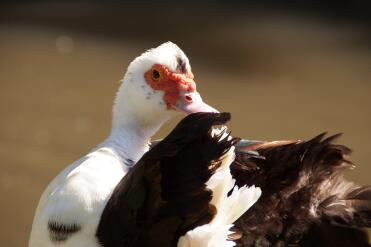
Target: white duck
[[157, 84]]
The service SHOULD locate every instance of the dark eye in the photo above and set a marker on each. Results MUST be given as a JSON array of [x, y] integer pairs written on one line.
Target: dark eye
[[155, 74]]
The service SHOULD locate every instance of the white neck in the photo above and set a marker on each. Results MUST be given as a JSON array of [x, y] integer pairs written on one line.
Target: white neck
[[129, 142], [132, 126]]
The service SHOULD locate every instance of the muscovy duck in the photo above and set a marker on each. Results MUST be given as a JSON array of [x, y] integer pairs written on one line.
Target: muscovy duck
[[157, 84]]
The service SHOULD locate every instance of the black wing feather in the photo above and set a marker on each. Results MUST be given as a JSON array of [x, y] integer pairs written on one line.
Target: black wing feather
[[164, 195], [305, 200]]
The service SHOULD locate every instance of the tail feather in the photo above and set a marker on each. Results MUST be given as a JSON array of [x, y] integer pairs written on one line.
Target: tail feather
[[304, 191], [353, 209]]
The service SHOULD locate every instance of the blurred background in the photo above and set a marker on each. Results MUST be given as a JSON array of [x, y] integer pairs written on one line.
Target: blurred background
[[285, 71]]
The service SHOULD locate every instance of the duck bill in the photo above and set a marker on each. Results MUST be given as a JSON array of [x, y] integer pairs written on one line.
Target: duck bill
[[192, 103]]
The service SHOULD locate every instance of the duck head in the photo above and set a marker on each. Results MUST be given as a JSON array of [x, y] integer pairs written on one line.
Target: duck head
[[158, 84]]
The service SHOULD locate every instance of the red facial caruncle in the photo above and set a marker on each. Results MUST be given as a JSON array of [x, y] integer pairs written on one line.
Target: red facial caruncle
[[179, 89], [173, 84]]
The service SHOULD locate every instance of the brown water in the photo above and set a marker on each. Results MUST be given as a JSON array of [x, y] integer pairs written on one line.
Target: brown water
[[57, 87]]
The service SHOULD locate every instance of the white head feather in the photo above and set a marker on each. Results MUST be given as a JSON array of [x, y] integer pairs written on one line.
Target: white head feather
[[136, 101]]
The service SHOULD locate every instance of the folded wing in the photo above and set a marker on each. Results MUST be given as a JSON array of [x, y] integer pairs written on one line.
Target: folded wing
[[177, 190]]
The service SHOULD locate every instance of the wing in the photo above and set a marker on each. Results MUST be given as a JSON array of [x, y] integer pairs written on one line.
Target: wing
[[305, 200], [165, 194]]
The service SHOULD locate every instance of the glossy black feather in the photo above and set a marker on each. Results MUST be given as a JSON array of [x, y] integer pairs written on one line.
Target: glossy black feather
[[305, 199], [165, 195]]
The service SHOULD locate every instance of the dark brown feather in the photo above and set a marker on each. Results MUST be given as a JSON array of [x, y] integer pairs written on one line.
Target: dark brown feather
[[305, 199], [165, 195]]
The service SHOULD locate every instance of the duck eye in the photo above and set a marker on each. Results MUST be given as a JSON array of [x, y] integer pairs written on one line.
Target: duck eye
[[155, 74]]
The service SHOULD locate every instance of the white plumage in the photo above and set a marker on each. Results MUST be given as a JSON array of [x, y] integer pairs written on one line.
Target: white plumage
[[77, 196]]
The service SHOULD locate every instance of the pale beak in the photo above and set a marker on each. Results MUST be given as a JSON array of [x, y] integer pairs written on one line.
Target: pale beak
[[192, 103]]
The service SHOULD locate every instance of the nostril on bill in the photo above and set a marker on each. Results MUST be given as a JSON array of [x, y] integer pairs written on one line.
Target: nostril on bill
[[188, 98]]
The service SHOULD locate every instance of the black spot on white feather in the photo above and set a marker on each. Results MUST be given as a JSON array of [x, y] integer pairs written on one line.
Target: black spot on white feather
[[181, 65], [60, 232]]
